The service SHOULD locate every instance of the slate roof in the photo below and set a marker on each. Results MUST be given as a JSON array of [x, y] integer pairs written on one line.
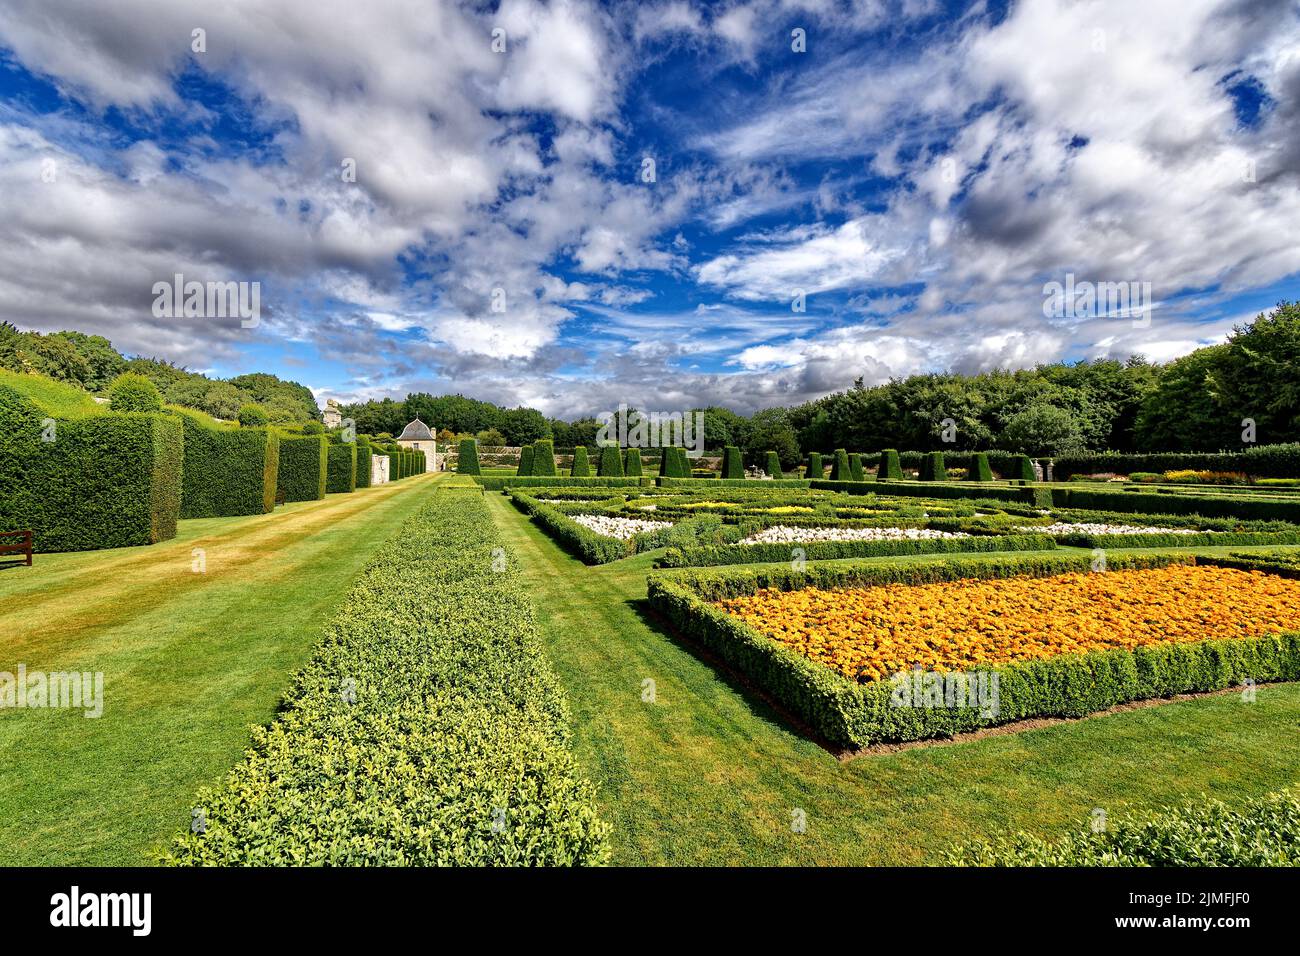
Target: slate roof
[[416, 431]]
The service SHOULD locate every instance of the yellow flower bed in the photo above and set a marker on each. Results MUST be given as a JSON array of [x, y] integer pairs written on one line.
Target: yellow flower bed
[[873, 633], [784, 510]]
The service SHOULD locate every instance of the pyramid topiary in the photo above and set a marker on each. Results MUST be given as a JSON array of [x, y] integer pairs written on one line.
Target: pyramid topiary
[[891, 469], [581, 466], [632, 463], [814, 466], [544, 458], [1023, 469], [840, 466], [932, 467], [525, 461], [731, 465], [611, 464], [979, 468], [467, 462], [773, 466], [855, 468]]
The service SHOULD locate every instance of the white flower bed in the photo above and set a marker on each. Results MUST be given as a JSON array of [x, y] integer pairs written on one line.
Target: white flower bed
[[781, 534], [1062, 527], [622, 528]]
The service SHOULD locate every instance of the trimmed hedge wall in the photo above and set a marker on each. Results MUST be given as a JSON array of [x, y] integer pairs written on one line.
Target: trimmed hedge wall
[[363, 461], [850, 714], [428, 729], [1264, 461], [304, 467], [227, 471], [1263, 831], [502, 482], [831, 550], [341, 469], [105, 481]]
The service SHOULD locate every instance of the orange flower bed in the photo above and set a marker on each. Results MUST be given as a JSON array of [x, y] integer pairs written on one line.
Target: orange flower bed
[[873, 633]]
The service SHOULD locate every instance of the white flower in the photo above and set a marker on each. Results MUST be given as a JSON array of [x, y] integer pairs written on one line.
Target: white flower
[[622, 528], [782, 534], [1062, 527]]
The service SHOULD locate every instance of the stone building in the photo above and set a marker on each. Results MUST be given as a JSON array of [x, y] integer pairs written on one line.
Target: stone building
[[417, 437]]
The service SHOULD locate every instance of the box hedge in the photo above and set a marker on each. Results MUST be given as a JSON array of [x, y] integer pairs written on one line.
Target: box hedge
[[304, 467], [834, 550], [363, 461], [227, 471], [103, 481], [852, 714], [341, 469], [427, 729]]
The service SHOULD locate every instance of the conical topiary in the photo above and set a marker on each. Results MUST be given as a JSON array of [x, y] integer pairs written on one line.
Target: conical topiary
[[581, 466], [525, 461], [544, 458], [632, 463], [932, 467], [855, 468], [731, 465], [979, 468], [611, 462], [773, 467], [1023, 469], [467, 461], [840, 466], [891, 469], [814, 466]]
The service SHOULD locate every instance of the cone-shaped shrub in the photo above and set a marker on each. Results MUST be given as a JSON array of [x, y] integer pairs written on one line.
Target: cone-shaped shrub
[[525, 461], [581, 465], [632, 463], [932, 467], [815, 466], [674, 463], [467, 462], [773, 466], [544, 458], [855, 468], [840, 466], [611, 463], [1023, 469], [890, 467], [979, 468], [731, 466]]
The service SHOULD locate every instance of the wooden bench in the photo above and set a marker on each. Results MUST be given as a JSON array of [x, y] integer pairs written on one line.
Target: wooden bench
[[17, 542]]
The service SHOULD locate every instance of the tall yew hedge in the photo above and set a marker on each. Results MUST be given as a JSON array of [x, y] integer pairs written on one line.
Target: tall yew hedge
[[341, 473], [227, 471], [303, 467]]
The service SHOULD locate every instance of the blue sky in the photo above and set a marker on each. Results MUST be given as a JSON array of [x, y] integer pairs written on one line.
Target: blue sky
[[915, 174]]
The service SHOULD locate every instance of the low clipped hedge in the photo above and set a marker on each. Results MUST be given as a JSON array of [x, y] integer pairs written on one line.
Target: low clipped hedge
[[1209, 506], [755, 483], [104, 481], [1269, 461], [1263, 831], [341, 469], [1166, 540], [832, 550], [453, 748], [304, 467], [579, 540], [851, 714], [227, 471], [502, 482]]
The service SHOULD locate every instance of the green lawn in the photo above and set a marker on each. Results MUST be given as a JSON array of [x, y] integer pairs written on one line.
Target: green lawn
[[710, 775], [190, 661]]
